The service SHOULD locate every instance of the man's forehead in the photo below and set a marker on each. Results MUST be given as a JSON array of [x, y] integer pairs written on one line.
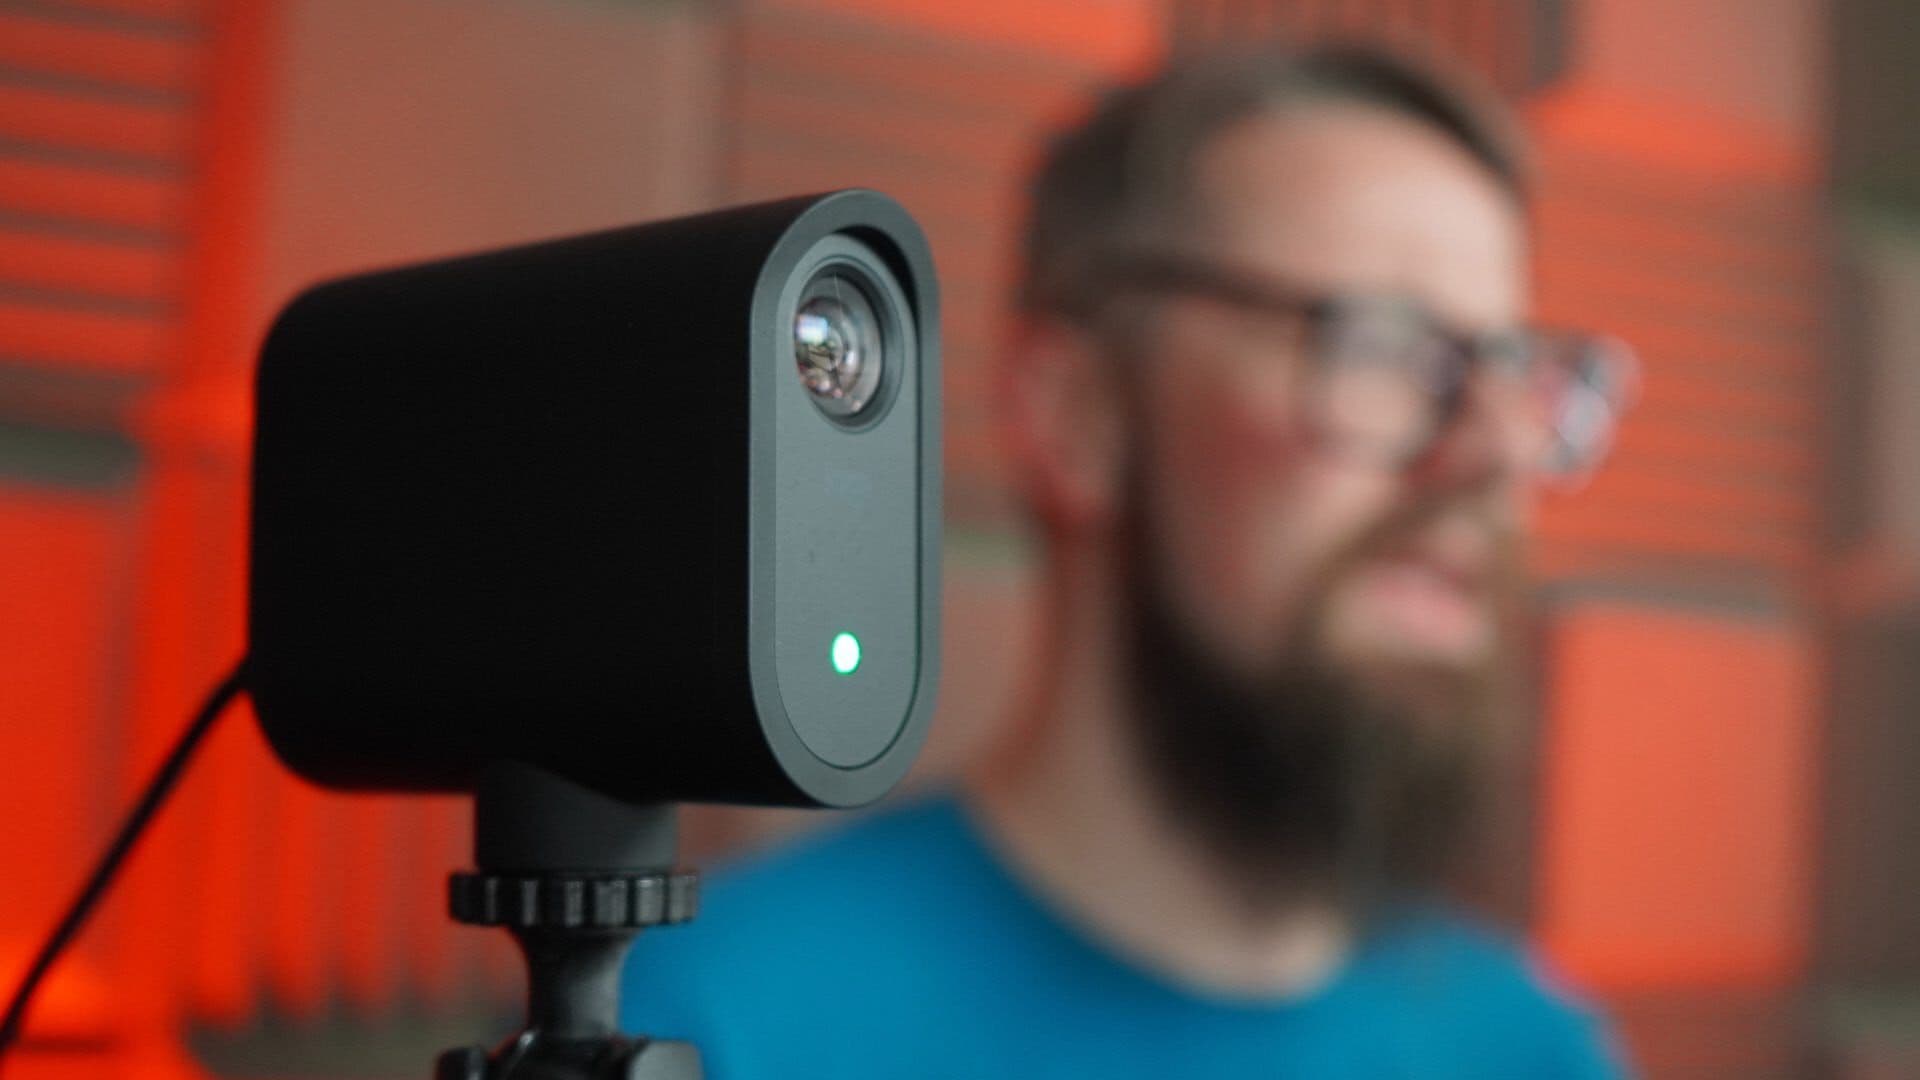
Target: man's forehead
[[1340, 195]]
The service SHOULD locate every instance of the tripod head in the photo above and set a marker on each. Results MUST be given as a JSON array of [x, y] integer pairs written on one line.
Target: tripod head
[[574, 876]]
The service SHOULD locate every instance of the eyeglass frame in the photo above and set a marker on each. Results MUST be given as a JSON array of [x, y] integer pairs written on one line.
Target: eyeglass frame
[[1611, 380]]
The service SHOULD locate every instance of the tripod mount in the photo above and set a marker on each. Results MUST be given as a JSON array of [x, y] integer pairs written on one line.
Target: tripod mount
[[574, 876]]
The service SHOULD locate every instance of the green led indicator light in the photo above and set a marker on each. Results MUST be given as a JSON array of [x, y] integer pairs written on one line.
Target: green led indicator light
[[846, 653]]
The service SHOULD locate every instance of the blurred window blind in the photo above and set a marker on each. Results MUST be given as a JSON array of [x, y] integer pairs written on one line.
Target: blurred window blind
[[1520, 46]]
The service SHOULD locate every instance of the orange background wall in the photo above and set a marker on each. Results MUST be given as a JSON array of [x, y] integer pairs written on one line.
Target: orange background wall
[[170, 170]]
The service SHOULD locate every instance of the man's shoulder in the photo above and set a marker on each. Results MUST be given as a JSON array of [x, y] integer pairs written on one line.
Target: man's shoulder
[[1470, 980], [882, 935], [854, 880], [790, 939], [1439, 950], [887, 857]]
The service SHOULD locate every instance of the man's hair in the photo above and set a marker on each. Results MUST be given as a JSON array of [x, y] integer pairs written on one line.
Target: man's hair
[[1124, 175]]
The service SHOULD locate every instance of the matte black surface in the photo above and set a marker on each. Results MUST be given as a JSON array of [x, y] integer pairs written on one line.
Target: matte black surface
[[507, 507], [528, 819]]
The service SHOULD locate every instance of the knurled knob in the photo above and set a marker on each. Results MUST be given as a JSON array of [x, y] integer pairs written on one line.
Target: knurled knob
[[593, 901]]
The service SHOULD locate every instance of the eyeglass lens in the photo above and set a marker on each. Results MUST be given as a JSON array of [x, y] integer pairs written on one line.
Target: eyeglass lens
[[1390, 381]]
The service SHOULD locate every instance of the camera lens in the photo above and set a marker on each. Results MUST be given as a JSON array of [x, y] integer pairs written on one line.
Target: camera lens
[[837, 347]]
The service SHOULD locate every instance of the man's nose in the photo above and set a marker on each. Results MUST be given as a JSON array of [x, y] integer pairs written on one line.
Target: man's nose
[[1487, 442]]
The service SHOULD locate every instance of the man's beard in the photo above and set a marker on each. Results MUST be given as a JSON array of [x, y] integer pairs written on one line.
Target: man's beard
[[1315, 781]]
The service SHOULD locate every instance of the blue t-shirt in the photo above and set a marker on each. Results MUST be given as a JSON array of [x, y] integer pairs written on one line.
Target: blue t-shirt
[[899, 947]]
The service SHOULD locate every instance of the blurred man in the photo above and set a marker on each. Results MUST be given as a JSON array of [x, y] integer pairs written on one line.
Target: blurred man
[[1279, 420]]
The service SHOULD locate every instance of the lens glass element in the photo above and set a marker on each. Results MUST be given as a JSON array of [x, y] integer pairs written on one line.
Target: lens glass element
[[837, 347]]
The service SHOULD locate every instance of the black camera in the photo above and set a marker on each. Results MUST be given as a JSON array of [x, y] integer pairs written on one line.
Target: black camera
[[655, 510], [588, 528]]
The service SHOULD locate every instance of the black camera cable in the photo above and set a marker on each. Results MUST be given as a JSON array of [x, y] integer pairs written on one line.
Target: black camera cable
[[157, 790]]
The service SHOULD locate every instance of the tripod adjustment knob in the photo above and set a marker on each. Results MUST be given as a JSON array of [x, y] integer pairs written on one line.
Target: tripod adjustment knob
[[573, 901]]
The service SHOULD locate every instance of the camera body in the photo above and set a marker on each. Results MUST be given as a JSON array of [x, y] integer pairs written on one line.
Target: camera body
[[656, 510]]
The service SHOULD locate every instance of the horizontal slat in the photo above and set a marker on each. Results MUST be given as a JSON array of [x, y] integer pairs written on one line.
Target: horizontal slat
[[1646, 293], [1581, 229], [1584, 519], [838, 122], [49, 261], [1775, 407], [95, 339], [140, 130], [1662, 487], [1730, 352], [784, 155], [1686, 444], [37, 41], [148, 202], [1765, 217], [878, 60], [1656, 413], [1707, 349], [1626, 287], [1684, 484], [177, 15]]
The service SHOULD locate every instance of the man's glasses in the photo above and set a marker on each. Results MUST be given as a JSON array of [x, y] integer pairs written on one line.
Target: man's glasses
[[1386, 377]]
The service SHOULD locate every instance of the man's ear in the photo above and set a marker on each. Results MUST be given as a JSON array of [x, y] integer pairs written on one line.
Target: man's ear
[[1064, 421]]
